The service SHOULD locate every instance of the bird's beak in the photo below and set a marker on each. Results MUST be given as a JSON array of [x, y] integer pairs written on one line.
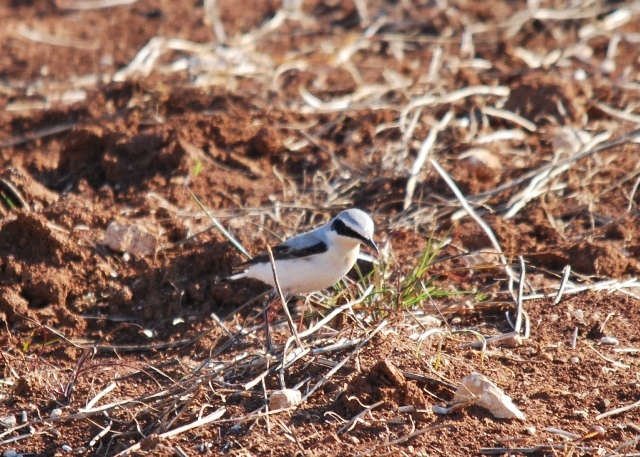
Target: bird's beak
[[372, 245]]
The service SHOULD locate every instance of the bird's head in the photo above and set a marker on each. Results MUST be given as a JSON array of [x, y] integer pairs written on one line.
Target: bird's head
[[352, 227]]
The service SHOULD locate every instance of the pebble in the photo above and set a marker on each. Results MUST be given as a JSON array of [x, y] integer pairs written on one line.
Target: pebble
[[609, 340], [66, 448], [595, 432], [9, 421], [285, 398], [531, 430], [580, 413], [575, 359], [56, 412]]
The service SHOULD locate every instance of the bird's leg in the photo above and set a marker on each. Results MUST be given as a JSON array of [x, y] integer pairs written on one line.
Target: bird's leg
[[269, 299]]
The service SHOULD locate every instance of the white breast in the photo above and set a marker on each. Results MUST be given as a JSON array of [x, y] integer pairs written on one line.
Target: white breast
[[309, 274]]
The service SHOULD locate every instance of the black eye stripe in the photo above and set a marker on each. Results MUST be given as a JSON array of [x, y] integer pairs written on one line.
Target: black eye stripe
[[342, 229]]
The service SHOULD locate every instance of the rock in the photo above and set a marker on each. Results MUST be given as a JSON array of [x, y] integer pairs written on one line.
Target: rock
[[286, 398], [484, 393], [130, 238]]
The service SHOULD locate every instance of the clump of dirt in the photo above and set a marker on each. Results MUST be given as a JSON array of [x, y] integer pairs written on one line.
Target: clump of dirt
[[541, 97], [385, 382]]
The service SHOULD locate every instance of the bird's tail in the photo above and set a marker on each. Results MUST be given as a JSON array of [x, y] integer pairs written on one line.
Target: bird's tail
[[242, 274]]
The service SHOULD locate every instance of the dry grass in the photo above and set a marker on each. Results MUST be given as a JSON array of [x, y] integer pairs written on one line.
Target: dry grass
[[182, 396]]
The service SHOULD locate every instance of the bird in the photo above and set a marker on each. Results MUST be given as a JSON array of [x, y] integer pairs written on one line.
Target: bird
[[313, 260]]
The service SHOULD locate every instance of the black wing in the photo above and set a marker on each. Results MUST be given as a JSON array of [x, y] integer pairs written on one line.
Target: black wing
[[286, 252]]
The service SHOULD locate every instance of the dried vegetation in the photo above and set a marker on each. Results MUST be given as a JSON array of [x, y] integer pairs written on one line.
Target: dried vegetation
[[495, 144]]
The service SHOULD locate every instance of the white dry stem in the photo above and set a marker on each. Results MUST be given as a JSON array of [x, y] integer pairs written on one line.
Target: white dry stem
[[633, 193], [355, 419], [501, 135], [627, 444], [335, 369], [452, 97], [86, 5], [422, 156], [213, 16], [220, 227], [171, 433], [520, 301], [557, 431], [436, 62], [41, 37], [620, 410], [467, 207], [610, 285], [341, 103], [404, 439], [101, 394], [510, 116], [541, 183], [203, 59], [566, 271], [363, 12], [623, 115], [292, 326], [100, 435], [321, 323]]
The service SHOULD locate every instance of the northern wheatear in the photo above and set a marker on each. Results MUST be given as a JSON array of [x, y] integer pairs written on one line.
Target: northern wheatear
[[314, 260]]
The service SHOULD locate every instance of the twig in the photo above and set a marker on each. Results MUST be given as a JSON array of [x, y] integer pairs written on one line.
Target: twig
[[510, 116], [615, 363], [620, 410], [331, 372], [634, 118], [566, 271], [430, 100], [85, 5], [633, 135], [292, 326], [101, 394], [171, 433], [427, 145], [350, 424], [100, 435], [633, 193], [465, 204], [220, 227], [42, 133], [41, 37], [623, 446], [404, 439], [16, 194], [519, 306], [531, 450], [213, 15]]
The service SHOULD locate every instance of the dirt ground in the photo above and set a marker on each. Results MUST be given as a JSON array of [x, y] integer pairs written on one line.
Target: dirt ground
[[119, 334]]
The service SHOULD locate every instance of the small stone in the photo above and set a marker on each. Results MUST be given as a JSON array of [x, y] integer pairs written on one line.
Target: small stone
[[610, 340], [66, 448], [545, 357], [530, 431], [581, 414], [595, 432], [56, 412], [574, 359], [484, 393], [9, 421], [285, 398]]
